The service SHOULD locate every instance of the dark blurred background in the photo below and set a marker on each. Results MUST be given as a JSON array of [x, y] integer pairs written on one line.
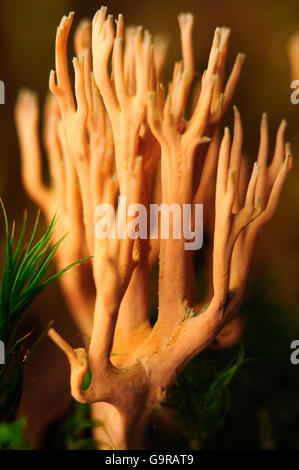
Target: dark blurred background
[[261, 31]]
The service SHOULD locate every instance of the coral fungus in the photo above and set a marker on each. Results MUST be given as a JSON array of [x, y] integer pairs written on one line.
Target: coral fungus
[[120, 133]]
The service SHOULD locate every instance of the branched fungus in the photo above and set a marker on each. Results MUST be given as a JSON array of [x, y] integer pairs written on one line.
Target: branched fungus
[[121, 134]]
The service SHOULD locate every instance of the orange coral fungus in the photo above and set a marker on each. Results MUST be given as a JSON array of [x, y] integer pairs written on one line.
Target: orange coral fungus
[[119, 133]]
